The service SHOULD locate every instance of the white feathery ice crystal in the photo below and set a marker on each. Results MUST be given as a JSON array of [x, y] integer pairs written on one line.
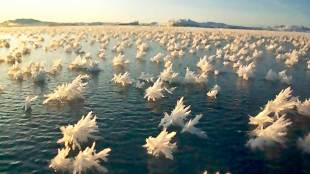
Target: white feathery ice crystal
[[190, 127], [16, 72], [89, 159], [27, 69], [191, 77], [177, 116], [157, 58], [101, 54], [303, 108], [56, 67], [161, 145], [261, 118], [271, 129], [304, 143], [38, 72], [283, 101], [122, 79], [205, 65], [270, 135], [35, 70], [156, 91], [61, 162], [168, 74], [292, 58], [167, 62], [84, 63], [120, 60], [67, 92], [81, 132], [28, 101], [140, 54], [246, 71], [214, 91], [85, 160], [81, 161]]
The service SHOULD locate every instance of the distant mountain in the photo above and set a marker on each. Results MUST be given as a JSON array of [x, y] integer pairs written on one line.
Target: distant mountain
[[34, 22], [176, 23], [22, 22], [191, 23]]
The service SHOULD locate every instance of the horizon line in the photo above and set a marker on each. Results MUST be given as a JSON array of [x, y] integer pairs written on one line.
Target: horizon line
[[136, 20]]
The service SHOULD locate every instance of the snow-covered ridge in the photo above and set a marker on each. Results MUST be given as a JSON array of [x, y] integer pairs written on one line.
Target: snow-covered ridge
[[192, 23]]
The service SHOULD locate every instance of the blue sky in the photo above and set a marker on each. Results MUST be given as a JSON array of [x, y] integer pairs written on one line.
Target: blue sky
[[239, 12]]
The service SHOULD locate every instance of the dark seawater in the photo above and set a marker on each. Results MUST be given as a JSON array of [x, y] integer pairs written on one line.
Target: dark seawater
[[126, 119]]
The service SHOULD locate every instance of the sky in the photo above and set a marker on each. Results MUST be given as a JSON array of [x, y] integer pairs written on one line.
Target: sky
[[237, 12]]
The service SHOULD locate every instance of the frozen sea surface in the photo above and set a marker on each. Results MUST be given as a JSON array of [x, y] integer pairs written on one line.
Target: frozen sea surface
[[125, 118]]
